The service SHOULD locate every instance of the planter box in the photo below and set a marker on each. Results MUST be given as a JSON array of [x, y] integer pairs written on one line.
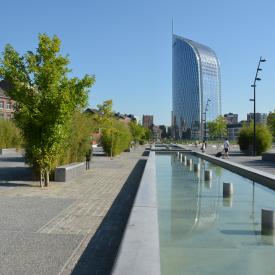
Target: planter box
[[69, 172]]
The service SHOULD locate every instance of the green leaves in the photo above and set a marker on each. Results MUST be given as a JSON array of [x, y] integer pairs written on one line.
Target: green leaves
[[46, 98], [217, 127]]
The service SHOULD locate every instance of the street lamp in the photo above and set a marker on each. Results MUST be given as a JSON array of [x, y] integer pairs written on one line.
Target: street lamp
[[205, 110], [254, 100]]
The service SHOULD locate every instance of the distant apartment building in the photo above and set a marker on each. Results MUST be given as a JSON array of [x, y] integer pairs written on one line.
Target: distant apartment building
[[6, 103], [147, 121], [231, 118], [260, 118]]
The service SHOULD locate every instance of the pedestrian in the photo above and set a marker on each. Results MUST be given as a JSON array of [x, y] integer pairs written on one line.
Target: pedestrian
[[203, 146], [226, 147], [88, 158]]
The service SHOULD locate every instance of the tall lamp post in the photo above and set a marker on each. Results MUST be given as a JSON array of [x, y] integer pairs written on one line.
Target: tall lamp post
[[254, 100], [205, 110]]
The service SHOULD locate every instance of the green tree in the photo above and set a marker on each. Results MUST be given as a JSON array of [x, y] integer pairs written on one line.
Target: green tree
[[271, 123], [137, 131], [263, 138], [217, 127], [116, 138], [46, 100]]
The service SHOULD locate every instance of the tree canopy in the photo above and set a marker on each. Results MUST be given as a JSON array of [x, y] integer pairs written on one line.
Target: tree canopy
[[46, 99]]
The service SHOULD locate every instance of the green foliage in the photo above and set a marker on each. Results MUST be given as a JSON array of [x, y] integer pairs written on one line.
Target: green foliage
[[10, 136], [271, 123], [46, 99], [116, 138], [138, 132], [217, 127], [78, 142], [263, 138]]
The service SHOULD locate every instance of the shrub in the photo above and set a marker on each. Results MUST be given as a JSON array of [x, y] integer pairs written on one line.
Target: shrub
[[116, 138], [263, 139], [10, 135], [79, 140]]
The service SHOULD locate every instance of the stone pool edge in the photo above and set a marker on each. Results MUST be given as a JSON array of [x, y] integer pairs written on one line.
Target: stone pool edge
[[139, 251], [263, 178]]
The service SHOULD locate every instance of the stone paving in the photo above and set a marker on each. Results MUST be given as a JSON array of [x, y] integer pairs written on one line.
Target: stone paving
[[66, 228]]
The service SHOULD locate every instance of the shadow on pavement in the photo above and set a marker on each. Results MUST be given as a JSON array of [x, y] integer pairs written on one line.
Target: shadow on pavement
[[16, 174], [100, 253], [12, 159]]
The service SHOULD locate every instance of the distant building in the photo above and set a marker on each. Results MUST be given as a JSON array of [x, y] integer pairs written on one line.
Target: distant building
[[231, 118], [156, 131], [233, 130], [147, 121], [6, 103], [196, 88], [260, 118]]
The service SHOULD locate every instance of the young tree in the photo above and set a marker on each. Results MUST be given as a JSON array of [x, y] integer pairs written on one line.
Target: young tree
[[271, 123], [217, 127], [46, 99]]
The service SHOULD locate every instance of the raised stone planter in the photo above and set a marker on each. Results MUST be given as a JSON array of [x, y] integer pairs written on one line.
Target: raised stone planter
[[268, 156], [7, 151], [68, 172]]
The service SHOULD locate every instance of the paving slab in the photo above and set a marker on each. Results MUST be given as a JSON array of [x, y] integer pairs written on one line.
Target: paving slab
[[66, 228]]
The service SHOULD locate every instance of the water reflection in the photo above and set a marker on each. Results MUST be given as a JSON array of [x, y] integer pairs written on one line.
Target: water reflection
[[199, 226]]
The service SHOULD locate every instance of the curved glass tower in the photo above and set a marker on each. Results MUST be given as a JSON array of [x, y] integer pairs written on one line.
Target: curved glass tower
[[195, 80]]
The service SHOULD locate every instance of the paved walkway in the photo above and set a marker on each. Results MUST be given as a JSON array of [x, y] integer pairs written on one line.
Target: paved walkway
[[66, 228], [236, 156]]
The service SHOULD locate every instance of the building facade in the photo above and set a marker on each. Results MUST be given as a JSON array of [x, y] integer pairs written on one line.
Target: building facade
[[260, 118], [147, 121], [231, 118], [6, 103], [195, 81]]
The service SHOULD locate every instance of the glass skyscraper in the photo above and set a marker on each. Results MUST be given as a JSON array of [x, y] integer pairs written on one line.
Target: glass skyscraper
[[196, 81]]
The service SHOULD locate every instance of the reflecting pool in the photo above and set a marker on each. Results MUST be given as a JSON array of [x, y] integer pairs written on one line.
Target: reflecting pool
[[203, 233]]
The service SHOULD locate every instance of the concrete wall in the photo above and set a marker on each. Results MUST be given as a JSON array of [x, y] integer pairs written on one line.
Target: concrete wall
[[139, 251], [68, 172]]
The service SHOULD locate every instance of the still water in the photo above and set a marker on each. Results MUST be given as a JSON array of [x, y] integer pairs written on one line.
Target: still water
[[203, 233]]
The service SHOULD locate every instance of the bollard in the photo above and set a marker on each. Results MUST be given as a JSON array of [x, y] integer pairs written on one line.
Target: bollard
[[184, 160], [180, 157], [208, 184], [227, 189], [178, 154], [196, 167], [207, 174], [227, 201], [268, 221], [189, 162]]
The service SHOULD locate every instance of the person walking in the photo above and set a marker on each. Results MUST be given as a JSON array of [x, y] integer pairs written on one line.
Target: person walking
[[226, 147], [203, 146]]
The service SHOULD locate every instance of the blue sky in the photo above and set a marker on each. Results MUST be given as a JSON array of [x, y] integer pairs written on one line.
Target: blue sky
[[127, 45]]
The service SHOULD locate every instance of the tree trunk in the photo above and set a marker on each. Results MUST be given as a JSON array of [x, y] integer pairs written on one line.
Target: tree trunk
[[41, 178], [47, 178]]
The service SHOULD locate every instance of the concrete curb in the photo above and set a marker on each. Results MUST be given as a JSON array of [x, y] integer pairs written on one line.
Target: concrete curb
[[139, 250], [261, 177]]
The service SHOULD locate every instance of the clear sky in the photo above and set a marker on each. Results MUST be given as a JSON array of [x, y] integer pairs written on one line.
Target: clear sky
[[126, 44]]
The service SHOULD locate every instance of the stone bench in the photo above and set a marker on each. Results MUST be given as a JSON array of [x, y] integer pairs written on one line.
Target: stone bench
[[70, 171], [7, 151], [268, 156]]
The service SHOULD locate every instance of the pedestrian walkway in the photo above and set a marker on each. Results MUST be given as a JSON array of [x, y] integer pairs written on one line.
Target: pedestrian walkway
[[68, 228], [236, 156]]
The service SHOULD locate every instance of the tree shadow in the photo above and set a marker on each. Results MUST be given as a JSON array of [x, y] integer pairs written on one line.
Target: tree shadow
[[12, 159], [100, 253], [16, 174]]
